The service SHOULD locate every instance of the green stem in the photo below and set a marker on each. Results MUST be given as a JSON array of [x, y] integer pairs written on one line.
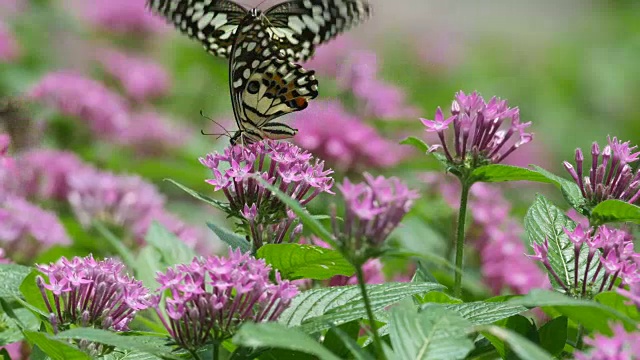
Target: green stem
[[464, 198], [580, 336], [377, 342]]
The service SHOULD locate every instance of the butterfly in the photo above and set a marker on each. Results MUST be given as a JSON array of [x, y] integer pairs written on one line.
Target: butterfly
[[299, 25], [264, 84]]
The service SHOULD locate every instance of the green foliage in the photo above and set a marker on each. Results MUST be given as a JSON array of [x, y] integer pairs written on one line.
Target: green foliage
[[230, 238], [279, 336], [12, 276], [610, 211], [433, 333], [295, 261], [319, 309]]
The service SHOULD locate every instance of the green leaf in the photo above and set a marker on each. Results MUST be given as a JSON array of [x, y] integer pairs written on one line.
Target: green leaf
[[592, 315], [232, 239], [54, 348], [12, 276], [154, 345], [320, 309], [615, 211], [10, 331], [171, 248], [416, 143], [215, 203], [148, 263], [553, 335], [485, 313], [620, 303], [116, 243], [546, 221], [502, 173], [307, 219], [523, 348], [275, 335], [434, 333], [570, 190], [295, 261], [347, 342]]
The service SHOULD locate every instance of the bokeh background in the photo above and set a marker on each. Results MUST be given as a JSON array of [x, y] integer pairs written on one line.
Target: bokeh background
[[122, 91]]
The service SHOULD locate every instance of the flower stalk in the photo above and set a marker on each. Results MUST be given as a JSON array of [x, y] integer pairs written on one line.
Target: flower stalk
[[462, 215]]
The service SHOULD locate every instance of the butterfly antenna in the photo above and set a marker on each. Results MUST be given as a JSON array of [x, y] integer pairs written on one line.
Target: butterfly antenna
[[226, 132]]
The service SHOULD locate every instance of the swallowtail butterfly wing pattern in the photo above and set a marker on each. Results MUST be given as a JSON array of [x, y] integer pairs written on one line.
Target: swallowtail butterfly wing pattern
[[300, 25], [264, 81]]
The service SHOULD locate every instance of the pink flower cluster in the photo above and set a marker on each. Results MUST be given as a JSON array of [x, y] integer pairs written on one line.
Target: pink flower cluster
[[285, 166], [9, 50], [27, 229], [374, 208], [379, 99], [610, 252], [211, 297], [358, 71], [121, 16], [613, 178], [72, 94], [621, 346], [108, 114], [479, 135], [343, 139], [141, 78], [496, 236], [127, 201], [90, 293]]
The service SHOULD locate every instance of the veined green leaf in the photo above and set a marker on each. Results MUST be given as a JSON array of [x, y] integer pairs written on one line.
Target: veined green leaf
[[295, 261]]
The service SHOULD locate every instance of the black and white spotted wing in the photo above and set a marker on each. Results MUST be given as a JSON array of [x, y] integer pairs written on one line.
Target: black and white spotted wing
[[298, 25], [265, 85], [301, 25], [212, 22]]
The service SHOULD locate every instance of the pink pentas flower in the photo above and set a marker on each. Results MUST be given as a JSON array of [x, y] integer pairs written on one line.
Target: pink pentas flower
[[72, 94], [374, 208], [610, 256], [620, 346], [329, 58], [141, 78], [79, 286], [289, 168], [343, 139], [14, 350], [483, 132], [26, 229], [9, 49], [115, 199], [222, 293], [121, 16], [151, 133], [611, 175], [44, 173]]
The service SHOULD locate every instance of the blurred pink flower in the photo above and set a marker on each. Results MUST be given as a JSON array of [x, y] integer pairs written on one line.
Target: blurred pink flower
[[11, 7], [621, 346], [9, 50], [125, 201], [3, 258], [14, 349], [442, 53], [342, 139], [121, 16], [328, 58], [44, 173], [115, 199], [359, 73], [26, 229], [141, 78], [76, 95], [150, 133]]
